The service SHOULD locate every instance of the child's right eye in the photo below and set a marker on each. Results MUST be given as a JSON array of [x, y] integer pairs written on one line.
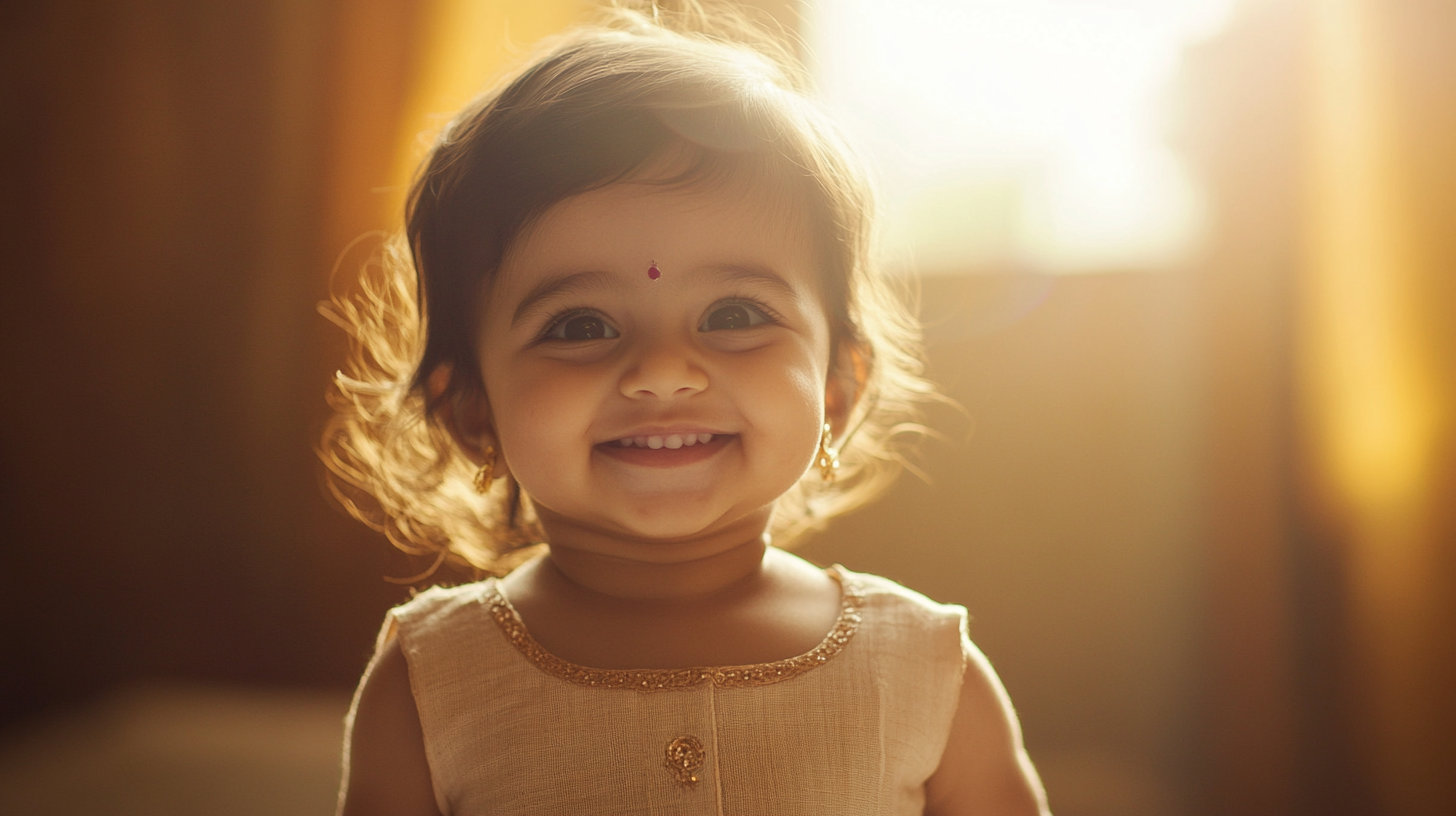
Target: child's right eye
[[582, 327]]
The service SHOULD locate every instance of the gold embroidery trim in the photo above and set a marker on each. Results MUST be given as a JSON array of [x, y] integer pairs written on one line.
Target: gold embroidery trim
[[757, 674]]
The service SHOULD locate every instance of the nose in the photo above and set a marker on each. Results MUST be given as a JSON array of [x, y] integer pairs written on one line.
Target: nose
[[664, 368]]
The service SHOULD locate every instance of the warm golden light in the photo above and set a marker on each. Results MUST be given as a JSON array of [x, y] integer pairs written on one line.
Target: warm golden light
[[1023, 132], [1368, 384], [463, 45], [1371, 389]]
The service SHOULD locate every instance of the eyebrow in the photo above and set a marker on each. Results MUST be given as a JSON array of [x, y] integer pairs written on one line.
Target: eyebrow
[[755, 274], [551, 287]]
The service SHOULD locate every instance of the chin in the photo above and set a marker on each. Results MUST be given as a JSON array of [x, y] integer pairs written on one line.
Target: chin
[[668, 528]]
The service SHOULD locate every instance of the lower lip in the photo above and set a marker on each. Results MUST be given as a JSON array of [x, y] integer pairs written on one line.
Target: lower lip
[[667, 457]]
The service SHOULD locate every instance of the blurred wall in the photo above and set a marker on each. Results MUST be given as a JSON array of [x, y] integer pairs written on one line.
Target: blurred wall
[[165, 168]]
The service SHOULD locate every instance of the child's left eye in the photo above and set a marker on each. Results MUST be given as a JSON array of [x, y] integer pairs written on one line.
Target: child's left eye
[[733, 316]]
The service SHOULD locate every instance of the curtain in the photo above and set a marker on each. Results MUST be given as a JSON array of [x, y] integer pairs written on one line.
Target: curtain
[[1375, 358]]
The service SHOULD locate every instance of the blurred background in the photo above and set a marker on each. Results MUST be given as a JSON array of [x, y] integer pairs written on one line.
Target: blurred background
[[1189, 267]]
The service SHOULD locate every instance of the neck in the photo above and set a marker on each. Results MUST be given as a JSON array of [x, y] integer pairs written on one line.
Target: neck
[[677, 571]]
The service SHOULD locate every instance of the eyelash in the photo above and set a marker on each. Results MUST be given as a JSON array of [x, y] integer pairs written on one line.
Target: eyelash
[[561, 317], [770, 316]]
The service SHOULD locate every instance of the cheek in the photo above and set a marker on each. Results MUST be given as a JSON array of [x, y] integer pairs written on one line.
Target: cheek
[[808, 389], [541, 409], [784, 397]]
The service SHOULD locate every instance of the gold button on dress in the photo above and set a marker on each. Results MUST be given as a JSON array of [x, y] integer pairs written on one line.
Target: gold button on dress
[[685, 758]]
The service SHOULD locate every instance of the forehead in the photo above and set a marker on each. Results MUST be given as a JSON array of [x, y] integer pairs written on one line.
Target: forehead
[[632, 223]]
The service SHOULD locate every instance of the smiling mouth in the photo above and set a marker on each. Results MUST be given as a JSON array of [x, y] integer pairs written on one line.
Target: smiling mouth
[[666, 450], [669, 441]]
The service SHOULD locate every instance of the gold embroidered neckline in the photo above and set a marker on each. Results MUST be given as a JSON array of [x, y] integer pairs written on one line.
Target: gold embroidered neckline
[[757, 674]]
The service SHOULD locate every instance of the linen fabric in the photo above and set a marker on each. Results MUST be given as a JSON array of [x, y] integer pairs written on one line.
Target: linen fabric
[[858, 734]]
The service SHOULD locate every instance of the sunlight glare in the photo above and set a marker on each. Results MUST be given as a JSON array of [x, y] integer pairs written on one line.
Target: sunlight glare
[[1023, 133]]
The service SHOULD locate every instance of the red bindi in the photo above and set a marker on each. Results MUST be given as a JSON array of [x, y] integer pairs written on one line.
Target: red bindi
[[653, 272]]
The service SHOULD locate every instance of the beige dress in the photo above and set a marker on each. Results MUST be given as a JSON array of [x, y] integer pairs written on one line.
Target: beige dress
[[854, 726]]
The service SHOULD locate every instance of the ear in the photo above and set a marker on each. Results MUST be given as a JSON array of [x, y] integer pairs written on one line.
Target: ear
[[465, 416], [848, 377]]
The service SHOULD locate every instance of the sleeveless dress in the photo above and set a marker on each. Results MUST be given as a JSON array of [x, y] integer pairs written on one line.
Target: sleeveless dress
[[854, 726]]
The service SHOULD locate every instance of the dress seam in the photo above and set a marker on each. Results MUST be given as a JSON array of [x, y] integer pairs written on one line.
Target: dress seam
[[717, 766]]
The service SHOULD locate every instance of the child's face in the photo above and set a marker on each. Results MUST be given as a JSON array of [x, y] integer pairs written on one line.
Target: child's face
[[582, 351]]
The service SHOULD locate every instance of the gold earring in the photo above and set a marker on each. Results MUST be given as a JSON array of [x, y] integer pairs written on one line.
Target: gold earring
[[486, 474], [827, 459]]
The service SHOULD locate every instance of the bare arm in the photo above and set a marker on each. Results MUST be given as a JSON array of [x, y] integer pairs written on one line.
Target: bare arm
[[985, 770], [385, 772]]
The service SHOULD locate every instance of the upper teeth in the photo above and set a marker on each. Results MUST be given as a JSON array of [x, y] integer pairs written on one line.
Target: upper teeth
[[671, 441]]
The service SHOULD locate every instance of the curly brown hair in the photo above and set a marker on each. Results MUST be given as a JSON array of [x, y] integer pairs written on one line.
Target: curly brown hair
[[592, 107]]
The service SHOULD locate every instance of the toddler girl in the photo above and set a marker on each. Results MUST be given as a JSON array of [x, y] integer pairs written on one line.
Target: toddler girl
[[649, 335]]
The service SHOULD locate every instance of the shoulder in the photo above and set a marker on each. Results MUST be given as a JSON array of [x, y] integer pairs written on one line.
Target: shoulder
[[438, 602], [983, 767], [914, 644], [438, 617], [887, 591], [906, 611]]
